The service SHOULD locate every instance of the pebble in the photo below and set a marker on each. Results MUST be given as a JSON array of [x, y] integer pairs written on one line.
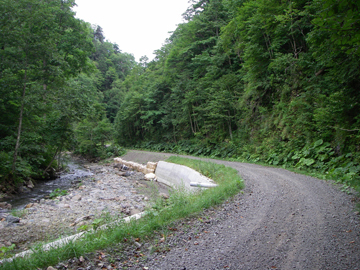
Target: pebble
[[163, 195]]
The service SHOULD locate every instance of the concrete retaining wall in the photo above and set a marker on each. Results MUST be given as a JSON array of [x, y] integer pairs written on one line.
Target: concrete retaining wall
[[180, 176]]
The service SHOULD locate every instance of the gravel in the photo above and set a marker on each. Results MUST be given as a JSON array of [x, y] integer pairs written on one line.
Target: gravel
[[108, 194]]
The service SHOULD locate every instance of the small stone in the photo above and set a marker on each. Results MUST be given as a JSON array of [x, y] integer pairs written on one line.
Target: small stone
[[81, 259], [164, 196], [134, 211], [77, 198], [50, 268], [82, 223], [29, 205], [62, 205], [150, 176]]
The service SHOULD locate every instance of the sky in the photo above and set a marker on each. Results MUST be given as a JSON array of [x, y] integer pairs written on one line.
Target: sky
[[139, 27]]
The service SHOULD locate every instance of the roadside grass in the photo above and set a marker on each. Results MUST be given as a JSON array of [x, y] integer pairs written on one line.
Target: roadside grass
[[181, 204]]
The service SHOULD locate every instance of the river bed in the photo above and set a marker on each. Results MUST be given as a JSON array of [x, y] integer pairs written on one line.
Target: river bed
[[104, 192], [74, 172]]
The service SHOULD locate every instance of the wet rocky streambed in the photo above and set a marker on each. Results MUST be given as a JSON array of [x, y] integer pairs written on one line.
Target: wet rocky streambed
[[94, 192]]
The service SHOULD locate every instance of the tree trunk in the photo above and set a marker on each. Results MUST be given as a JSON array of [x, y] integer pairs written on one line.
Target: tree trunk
[[229, 124], [56, 152], [20, 125]]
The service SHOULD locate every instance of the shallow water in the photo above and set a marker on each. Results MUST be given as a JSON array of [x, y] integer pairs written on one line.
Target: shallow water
[[43, 188]]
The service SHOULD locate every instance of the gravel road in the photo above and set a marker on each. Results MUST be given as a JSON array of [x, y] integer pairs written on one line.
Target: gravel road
[[283, 220]]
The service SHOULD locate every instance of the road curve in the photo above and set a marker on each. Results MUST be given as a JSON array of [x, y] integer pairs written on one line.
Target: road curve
[[283, 220]]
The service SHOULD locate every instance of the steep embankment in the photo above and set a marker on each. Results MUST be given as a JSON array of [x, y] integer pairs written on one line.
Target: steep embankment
[[282, 221]]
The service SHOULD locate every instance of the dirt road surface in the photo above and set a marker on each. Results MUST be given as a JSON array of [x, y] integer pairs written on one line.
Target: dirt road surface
[[283, 220]]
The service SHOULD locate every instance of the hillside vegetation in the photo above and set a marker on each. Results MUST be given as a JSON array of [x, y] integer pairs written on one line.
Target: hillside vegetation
[[267, 80]]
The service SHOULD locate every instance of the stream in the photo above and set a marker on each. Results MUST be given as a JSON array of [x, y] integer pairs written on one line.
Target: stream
[[75, 171]]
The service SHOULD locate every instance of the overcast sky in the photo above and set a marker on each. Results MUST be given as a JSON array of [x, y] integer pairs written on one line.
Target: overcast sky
[[139, 27]]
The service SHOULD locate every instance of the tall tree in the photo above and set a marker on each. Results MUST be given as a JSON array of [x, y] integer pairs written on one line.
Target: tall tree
[[42, 45]]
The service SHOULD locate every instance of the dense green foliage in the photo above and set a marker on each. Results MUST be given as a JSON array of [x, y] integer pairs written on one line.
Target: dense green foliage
[[55, 73], [42, 47], [273, 81]]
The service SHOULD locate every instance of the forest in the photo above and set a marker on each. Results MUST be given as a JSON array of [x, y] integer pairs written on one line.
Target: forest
[[270, 81]]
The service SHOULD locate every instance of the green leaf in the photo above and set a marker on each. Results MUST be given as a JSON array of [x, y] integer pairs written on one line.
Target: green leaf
[[318, 143]]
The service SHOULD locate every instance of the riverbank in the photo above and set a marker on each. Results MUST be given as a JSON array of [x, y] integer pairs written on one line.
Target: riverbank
[[108, 194]]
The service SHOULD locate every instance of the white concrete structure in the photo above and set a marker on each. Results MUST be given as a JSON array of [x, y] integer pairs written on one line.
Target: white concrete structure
[[178, 176]]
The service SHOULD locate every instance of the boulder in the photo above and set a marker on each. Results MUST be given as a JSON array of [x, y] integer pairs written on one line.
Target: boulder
[[30, 184], [12, 219], [5, 205], [151, 166]]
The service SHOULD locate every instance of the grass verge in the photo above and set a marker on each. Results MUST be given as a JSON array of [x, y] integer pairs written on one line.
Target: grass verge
[[180, 204]]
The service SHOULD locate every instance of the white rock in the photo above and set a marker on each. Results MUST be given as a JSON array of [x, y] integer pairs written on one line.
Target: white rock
[[150, 176], [76, 198]]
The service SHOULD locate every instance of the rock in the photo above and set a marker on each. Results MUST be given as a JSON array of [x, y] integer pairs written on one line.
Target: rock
[[24, 189], [121, 173], [117, 166], [63, 205], [120, 198], [164, 196], [12, 219], [125, 205], [150, 176], [77, 198], [5, 205], [134, 211], [82, 223], [50, 268], [29, 205], [83, 218], [151, 166], [30, 184]]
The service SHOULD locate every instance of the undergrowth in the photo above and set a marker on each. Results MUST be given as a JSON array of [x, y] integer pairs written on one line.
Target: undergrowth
[[318, 159], [180, 204]]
